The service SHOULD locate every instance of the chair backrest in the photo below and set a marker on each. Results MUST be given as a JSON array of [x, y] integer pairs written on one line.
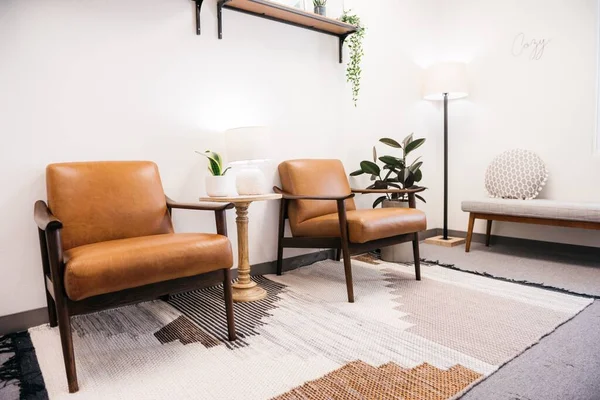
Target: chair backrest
[[107, 200], [314, 177]]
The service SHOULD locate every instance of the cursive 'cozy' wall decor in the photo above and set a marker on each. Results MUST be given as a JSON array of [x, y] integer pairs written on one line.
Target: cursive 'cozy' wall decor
[[532, 48]]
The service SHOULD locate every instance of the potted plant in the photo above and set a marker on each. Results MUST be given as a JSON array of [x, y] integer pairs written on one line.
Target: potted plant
[[320, 7], [396, 173], [218, 184]]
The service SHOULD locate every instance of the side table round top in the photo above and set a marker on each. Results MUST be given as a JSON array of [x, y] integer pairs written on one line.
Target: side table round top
[[242, 199]]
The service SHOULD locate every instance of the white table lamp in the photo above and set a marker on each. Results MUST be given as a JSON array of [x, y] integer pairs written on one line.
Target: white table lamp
[[247, 149], [445, 81]]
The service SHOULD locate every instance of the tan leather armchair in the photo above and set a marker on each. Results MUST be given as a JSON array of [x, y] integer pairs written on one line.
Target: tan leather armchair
[[107, 239], [319, 204]]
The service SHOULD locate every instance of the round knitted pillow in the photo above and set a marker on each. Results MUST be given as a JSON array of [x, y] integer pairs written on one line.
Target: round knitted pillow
[[516, 174]]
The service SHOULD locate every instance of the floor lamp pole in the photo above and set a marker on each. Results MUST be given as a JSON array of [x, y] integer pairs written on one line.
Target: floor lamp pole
[[445, 166]]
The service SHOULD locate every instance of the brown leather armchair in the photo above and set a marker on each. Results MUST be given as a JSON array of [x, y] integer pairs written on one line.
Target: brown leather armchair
[[107, 240], [319, 204]]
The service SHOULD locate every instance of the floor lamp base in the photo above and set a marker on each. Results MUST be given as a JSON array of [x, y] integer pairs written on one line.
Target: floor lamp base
[[450, 242]]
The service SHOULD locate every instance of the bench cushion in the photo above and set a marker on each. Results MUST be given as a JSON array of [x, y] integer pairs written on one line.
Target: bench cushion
[[537, 208]]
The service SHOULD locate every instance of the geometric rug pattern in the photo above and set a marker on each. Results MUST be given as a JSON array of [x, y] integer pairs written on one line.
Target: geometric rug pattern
[[401, 339]]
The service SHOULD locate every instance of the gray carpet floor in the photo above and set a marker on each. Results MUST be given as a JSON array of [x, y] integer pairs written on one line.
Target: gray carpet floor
[[566, 363], [563, 365], [578, 273]]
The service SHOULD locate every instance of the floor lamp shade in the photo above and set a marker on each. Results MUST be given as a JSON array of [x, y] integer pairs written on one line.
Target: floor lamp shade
[[445, 81], [247, 150], [450, 78]]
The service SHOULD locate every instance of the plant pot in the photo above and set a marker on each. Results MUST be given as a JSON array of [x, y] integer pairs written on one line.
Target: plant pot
[[321, 10], [402, 252], [220, 186]]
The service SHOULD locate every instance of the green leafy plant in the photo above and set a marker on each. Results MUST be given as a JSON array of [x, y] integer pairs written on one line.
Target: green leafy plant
[[319, 3], [355, 45], [215, 163], [397, 172]]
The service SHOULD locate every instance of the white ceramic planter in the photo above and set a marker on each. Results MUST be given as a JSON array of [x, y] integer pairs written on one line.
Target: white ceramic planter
[[220, 186], [402, 252]]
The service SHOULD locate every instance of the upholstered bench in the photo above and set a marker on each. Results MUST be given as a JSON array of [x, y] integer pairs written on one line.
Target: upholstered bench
[[538, 211]]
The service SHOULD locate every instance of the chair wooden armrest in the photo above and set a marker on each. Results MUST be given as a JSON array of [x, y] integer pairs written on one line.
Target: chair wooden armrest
[[198, 206], [44, 218], [289, 196], [390, 191], [218, 208], [412, 202]]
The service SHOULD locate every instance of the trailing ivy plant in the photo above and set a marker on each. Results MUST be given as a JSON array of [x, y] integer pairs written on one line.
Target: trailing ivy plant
[[355, 42]]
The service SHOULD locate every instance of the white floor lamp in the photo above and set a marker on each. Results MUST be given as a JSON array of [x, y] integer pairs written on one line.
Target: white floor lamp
[[443, 82]]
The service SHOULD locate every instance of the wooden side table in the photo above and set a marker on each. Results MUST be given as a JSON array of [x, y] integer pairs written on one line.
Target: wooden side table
[[245, 289]]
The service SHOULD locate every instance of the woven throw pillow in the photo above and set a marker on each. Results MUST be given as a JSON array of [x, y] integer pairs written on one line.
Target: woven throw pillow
[[516, 174]]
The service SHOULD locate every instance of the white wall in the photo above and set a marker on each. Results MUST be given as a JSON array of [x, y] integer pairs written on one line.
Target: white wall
[[548, 105], [113, 79]]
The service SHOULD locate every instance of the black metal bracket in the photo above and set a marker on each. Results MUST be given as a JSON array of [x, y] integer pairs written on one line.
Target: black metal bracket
[[220, 5], [198, 8], [342, 40]]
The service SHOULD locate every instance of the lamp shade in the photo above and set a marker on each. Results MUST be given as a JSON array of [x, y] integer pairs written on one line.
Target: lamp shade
[[450, 77], [248, 143]]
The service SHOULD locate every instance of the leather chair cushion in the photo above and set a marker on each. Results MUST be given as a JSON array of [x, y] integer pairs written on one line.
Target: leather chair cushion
[[314, 177], [107, 200], [366, 225], [115, 265]]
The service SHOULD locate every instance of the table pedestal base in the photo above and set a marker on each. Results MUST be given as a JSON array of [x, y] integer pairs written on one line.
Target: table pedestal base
[[244, 292]]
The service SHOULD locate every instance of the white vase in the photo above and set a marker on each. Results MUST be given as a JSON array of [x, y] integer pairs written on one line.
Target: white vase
[[250, 180], [402, 252], [220, 186]]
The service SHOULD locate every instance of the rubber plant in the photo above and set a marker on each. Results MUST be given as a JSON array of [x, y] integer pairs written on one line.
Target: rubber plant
[[397, 172], [215, 163], [355, 45]]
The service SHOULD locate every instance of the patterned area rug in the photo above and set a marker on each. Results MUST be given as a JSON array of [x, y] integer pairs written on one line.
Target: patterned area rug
[[401, 339]]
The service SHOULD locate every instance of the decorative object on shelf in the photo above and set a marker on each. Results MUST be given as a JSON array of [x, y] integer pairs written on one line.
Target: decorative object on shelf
[[244, 289], [320, 7], [446, 81], [400, 175], [218, 184], [248, 151], [354, 71], [516, 174], [288, 15]]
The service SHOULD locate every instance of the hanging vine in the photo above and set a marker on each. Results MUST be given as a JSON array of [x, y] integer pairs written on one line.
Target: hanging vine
[[355, 45]]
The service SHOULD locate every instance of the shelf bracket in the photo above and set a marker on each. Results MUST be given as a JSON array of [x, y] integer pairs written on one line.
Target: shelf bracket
[[198, 8], [342, 40], [220, 5]]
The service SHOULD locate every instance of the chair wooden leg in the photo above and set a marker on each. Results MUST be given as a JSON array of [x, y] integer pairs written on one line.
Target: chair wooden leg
[[488, 233], [282, 207], [346, 249], [52, 317], [66, 339], [470, 232], [229, 304], [415, 244], [338, 254]]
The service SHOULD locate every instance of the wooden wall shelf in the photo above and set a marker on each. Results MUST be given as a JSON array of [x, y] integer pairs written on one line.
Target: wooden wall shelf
[[284, 14]]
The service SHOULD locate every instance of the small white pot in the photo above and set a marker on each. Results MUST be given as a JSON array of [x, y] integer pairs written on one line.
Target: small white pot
[[220, 186], [402, 252]]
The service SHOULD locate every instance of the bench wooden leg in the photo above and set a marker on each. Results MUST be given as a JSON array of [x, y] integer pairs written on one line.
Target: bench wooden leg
[[488, 233], [470, 232]]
